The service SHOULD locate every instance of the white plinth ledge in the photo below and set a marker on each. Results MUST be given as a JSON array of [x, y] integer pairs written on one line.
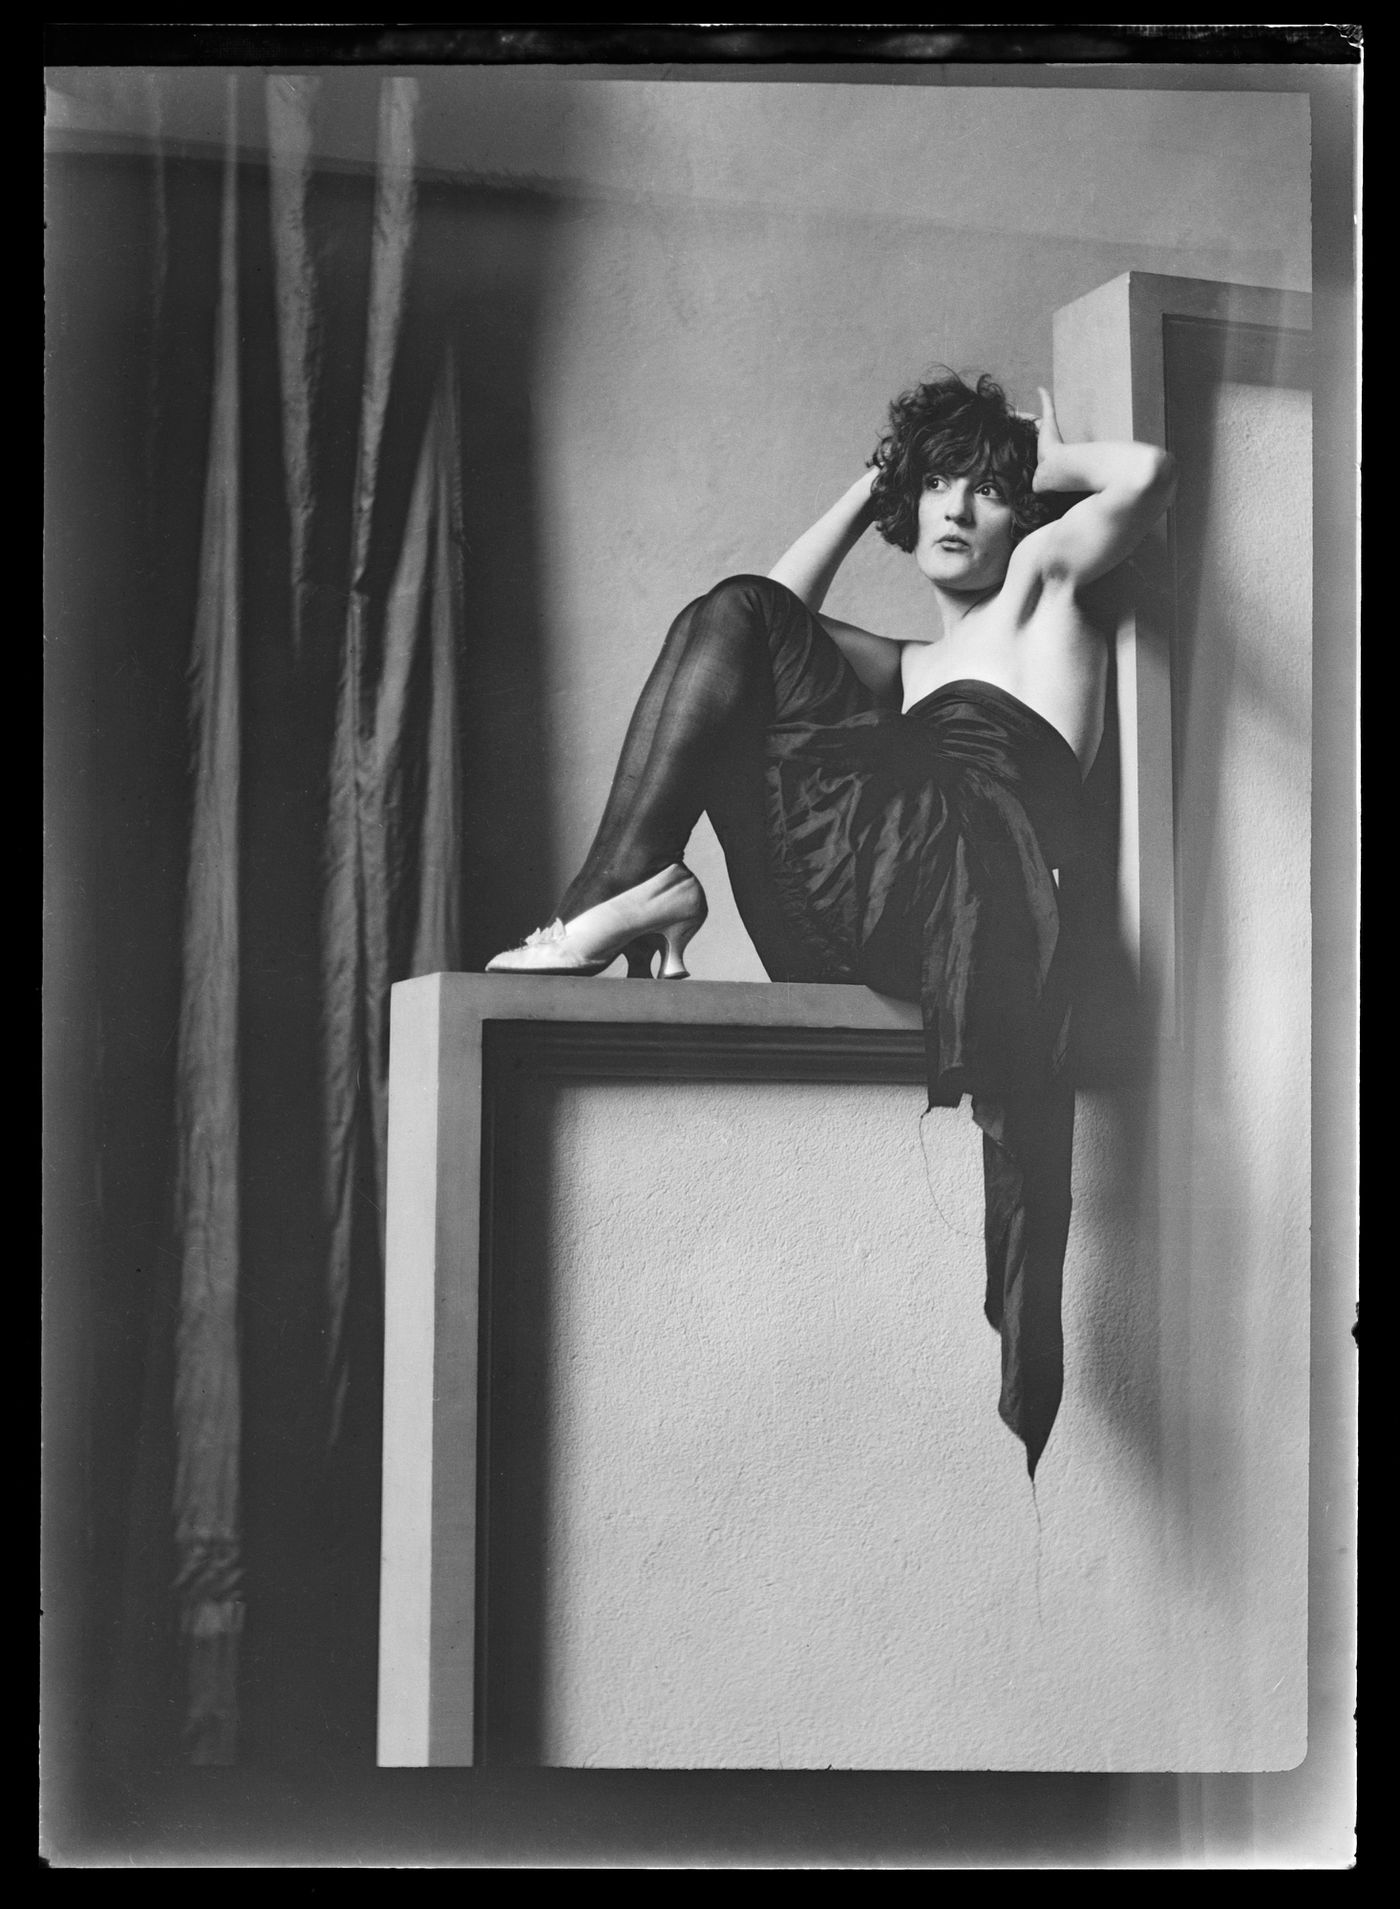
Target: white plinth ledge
[[692, 1457], [440, 1130]]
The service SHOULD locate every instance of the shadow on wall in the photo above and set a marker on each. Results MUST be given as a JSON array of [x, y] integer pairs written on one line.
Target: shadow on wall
[[479, 272], [132, 262], [482, 264], [514, 1500], [490, 244], [1196, 1132], [485, 262]]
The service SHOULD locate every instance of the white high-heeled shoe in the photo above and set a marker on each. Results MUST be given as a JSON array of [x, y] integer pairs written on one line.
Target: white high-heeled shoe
[[657, 916]]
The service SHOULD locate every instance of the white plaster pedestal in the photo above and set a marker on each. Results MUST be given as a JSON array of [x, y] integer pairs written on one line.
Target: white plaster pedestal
[[692, 1456], [457, 1043]]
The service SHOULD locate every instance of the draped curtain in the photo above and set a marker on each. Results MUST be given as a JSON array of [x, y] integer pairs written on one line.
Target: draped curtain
[[324, 862]]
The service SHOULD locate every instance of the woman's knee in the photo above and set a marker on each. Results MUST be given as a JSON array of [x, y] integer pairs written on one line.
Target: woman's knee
[[757, 606], [747, 590]]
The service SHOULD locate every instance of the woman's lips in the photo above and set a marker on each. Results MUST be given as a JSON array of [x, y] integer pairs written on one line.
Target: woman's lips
[[953, 543]]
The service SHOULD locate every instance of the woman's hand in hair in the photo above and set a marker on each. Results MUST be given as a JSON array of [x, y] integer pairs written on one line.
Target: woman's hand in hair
[[1048, 436], [1124, 489]]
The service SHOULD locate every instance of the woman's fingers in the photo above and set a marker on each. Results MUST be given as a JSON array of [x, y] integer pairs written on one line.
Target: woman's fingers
[[1044, 419], [1049, 423]]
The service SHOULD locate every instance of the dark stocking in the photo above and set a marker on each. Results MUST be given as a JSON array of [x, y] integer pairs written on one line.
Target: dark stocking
[[698, 723]]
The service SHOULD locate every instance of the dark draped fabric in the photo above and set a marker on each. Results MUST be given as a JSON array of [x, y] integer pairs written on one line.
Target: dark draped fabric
[[941, 856], [361, 592], [280, 391]]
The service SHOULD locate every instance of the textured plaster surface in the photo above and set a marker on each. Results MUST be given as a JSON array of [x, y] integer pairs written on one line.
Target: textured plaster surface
[[787, 1528]]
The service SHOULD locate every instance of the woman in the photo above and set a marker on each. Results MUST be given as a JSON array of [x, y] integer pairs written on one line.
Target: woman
[[902, 814]]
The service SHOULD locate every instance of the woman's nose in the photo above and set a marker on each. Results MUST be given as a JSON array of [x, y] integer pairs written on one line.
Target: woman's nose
[[958, 503]]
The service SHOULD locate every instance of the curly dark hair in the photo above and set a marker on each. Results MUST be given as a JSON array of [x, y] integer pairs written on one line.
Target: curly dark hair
[[947, 426]]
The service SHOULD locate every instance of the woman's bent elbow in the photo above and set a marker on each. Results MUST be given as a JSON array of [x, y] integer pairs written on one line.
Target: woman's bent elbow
[[1160, 469]]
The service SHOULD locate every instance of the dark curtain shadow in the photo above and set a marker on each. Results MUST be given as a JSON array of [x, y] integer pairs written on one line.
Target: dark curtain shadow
[[123, 531], [479, 265], [509, 788], [1116, 1064], [1109, 1034], [518, 1310], [130, 366]]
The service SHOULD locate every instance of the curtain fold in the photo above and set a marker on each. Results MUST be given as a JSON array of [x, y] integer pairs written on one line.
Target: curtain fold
[[208, 1405], [325, 701], [355, 944], [291, 101], [412, 792]]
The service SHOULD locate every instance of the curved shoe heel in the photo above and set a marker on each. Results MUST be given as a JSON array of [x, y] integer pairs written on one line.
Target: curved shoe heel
[[673, 968], [639, 955]]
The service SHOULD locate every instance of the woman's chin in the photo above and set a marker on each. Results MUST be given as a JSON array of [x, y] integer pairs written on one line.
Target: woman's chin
[[953, 572]]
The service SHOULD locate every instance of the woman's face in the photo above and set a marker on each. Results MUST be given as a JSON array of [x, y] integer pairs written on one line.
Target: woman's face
[[966, 532]]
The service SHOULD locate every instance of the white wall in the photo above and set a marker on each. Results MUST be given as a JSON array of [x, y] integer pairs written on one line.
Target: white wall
[[787, 1526]]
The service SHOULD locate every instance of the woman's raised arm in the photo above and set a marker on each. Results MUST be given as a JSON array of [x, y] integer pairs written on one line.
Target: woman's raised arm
[[1131, 485], [808, 566]]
